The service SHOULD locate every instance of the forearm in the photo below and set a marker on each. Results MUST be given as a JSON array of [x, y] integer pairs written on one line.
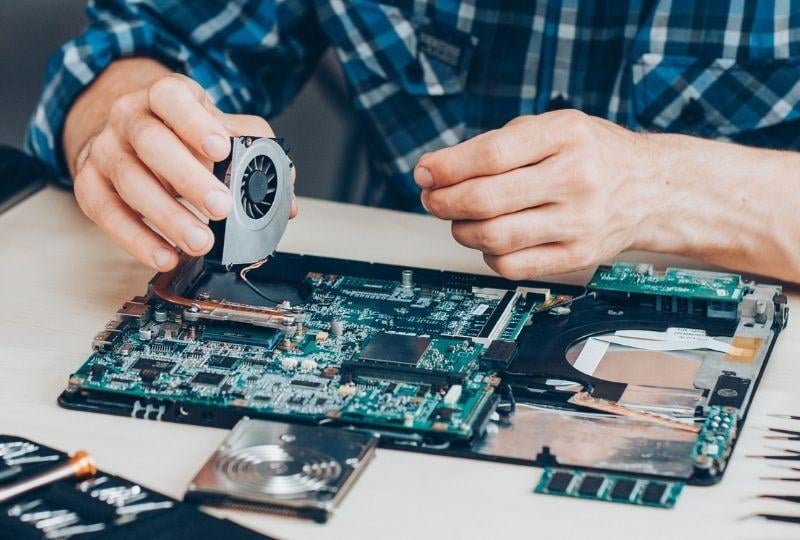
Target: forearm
[[90, 110], [726, 204]]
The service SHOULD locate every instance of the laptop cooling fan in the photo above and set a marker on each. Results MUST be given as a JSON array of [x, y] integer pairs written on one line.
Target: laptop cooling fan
[[258, 173]]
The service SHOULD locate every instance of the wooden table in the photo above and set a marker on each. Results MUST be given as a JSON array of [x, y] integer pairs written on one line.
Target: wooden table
[[61, 280]]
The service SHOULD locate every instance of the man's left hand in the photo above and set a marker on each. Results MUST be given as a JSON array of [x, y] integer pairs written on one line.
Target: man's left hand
[[544, 194]]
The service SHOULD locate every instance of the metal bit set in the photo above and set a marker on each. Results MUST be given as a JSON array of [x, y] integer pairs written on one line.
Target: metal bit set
[[47, 494], [779, 458]]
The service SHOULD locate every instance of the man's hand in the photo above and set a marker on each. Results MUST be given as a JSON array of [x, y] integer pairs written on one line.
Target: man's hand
[[543, 194], [152, 144]]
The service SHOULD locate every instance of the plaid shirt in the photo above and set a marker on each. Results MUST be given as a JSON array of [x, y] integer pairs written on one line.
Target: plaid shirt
[[425, 74]]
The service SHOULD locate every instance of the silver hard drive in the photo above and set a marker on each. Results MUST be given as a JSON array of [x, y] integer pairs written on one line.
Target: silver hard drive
[[296, 470]]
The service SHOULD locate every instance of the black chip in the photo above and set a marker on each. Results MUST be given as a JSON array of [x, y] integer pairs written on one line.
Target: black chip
[[591, 485], [306, 384], [445, 413], [297, 400], [97, 371], [394, 349], [222, 362], [559, 482], [622, 489], [654, 493], [321, 401], [153, 363], [149, 375], [498, 355], [391, 388], [208, 378]]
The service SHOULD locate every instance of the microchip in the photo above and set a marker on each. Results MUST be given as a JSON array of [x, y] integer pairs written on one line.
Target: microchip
[[222, 362], [306, 384], [97, 371], [395, 349], [591, 485], [321, 401], [205, 377], [498, 355], [623, 489], [654, 493], [153, 363], [149, 375], [559, 482]]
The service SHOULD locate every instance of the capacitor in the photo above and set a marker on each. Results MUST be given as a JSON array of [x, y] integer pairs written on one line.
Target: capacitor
[[145, 334], [288, 363], [407, 279], [346, 390], [453, 395], [160, 314], [408, 420], [191, 314], [337, 327], [308, 365]]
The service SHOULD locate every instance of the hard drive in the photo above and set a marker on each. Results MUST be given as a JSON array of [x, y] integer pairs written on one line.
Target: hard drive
[[296, 470]]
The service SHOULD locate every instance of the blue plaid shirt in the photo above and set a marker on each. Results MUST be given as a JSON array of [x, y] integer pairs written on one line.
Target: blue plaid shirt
[[425, 74]]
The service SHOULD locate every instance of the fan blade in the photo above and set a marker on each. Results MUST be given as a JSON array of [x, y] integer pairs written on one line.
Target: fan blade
[[258, 211]]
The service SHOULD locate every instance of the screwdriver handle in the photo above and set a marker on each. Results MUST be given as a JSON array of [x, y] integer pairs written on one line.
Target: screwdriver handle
[[79, 465]]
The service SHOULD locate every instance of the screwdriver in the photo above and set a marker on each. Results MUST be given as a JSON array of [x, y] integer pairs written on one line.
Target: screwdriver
[[80, 465]]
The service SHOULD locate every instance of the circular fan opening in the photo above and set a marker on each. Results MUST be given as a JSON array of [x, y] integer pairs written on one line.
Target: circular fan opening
[[259, 187]]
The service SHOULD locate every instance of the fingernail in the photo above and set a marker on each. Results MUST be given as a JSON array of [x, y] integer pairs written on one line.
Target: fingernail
[[422, 198], [218, 202], [162, 257], [196, 238], [216, 147], [422, 177]]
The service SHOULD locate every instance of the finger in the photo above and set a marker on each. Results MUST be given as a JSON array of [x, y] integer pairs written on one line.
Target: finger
[[247, 124], [511, 232], [164, 153], [489, 196], [184, 106], [102, 205], [143, 193], [522, 143], [540, 261]]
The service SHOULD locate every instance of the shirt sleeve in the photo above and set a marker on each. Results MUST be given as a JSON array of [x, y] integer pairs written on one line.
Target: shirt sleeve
[[252, 56]]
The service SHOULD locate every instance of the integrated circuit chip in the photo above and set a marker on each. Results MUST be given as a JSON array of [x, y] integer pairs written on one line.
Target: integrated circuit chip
[[204, 377], [395, 349], [623, 489], [398, 357], [591, 485], [560, 481], [153, 363], [222, 362]]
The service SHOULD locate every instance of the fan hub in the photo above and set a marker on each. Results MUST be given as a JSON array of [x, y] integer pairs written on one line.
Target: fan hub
[[257, 187]]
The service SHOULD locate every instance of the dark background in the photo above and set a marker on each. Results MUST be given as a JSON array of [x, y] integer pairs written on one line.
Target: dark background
[[330, 161]]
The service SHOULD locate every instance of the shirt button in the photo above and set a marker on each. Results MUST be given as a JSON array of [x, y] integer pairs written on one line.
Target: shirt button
[[414, 72], [558, 103], [692, 113]]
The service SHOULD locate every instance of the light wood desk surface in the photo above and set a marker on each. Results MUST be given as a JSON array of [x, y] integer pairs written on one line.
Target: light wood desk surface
[[61, 280]]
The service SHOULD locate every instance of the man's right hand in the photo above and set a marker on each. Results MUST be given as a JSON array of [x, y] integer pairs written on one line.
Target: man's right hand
[[150, 145]]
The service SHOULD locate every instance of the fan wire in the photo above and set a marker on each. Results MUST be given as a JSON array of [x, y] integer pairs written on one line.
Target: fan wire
[[259, 292]]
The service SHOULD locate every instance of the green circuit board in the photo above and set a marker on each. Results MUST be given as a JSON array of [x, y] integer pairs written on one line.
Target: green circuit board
[[397, 358], [675, 282], [609, 487]]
